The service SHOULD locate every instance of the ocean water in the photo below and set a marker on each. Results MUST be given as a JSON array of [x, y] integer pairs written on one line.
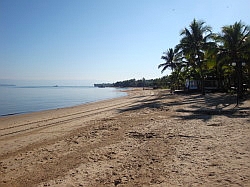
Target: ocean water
[[18, 100]]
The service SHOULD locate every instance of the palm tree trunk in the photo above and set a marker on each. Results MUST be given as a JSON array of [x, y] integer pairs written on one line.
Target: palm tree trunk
[[201, 75], [202, 81], [239, 74], [202, 85], [172, 81]]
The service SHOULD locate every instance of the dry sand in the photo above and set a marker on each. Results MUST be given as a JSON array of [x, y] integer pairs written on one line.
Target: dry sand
[[148, 138]]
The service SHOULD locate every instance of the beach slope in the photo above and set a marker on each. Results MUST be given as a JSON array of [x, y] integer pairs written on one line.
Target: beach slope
[[148, 138]]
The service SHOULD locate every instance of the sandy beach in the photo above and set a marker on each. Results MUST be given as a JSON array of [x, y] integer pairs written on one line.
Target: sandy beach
[[148, 138]]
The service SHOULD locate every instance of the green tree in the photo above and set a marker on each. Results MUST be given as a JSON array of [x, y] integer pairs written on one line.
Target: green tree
[[169, 63], [194, 42], [234, 46], [169, 60]]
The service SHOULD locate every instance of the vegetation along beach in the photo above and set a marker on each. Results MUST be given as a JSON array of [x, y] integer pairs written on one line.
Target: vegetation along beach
[[124, 93]]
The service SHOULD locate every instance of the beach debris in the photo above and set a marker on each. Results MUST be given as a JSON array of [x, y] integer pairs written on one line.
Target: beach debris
[[214, 124], [117, 181], [139, 135]]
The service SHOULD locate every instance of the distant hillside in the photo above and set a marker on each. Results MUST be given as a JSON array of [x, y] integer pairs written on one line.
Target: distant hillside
[[103, 85], [7, 85]]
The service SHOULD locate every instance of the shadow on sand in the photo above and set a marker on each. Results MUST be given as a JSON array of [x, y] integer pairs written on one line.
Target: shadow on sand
[[195, 106]]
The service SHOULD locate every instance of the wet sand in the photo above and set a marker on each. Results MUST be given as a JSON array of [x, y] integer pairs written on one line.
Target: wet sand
[[148, 138]]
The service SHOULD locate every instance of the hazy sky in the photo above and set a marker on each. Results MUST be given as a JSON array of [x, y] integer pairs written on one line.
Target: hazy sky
[[106, 40]]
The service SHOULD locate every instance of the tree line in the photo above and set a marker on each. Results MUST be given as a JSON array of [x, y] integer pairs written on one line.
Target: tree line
[[202, 55], [163, 82]]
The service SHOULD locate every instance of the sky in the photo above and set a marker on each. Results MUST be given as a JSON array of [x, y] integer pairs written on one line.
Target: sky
[[93, 41]]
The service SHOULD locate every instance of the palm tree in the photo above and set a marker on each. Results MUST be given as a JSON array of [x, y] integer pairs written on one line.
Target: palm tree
[[193, 44], [234, 41], [169, 58], [169, 62], [234, 46]]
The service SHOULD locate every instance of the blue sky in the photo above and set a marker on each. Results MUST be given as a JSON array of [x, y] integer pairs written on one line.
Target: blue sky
[[100, 40]]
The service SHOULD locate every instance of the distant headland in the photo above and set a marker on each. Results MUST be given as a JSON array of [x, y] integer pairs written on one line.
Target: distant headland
[[7, 85], [160, 82]]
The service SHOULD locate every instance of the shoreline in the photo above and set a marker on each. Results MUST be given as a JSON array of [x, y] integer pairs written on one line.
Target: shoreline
[[147, 138], [13, 125]]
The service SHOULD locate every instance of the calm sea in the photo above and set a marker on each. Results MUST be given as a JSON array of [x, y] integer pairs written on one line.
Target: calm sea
[[18, 100]]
